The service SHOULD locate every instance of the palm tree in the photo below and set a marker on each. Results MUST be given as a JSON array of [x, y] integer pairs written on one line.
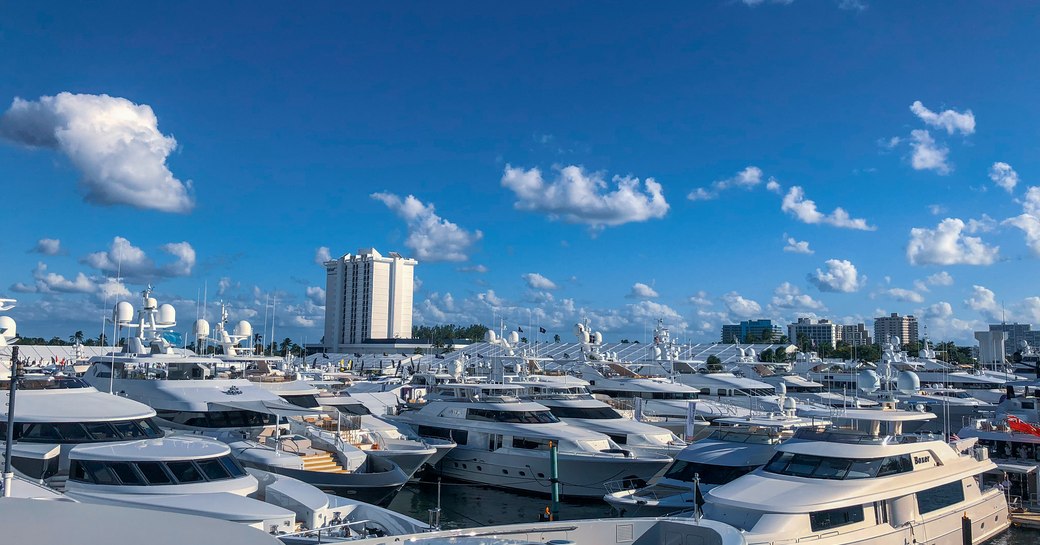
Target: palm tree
[[76, 337]]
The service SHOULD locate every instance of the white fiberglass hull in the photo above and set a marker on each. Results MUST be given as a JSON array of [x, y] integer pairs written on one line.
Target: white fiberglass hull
[[580, 475]]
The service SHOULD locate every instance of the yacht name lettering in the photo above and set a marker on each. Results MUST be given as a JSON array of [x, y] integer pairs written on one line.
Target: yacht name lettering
[[922, 459]]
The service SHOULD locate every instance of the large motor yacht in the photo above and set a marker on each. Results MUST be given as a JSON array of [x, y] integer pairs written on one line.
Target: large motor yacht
[[189, 394], [572, 403], [837, 486], [503, 441], [735, 447]]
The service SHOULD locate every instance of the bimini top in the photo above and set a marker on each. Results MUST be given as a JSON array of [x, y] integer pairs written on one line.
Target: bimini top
[[882, 415], [79, 523], [150, 450], [770, 421], [73, 405]]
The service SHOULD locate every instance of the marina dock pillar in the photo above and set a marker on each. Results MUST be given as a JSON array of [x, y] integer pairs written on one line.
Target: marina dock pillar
[[554, 480], [9, 443]]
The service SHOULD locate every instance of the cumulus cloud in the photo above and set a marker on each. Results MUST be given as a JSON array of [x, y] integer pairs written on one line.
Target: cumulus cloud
[[797, 246], [947, 245], [491, 299], [47, 246], [797, 205], [48, 282], [1004, 176], [927, 154], [748, 178], [321, 255], [1029, 221], [787, 296], [700, 299], [223, 285], [536, 281], [905, 295], [641, 291], [479, 269], [943, 325], [114, 144], [741, 306], [840, 276], [950, 120], [577, 196], [111, 289], [984, 224], [936, 209], [316, 294], [644, 311], [130, 261], [984, 301], [432, 237]]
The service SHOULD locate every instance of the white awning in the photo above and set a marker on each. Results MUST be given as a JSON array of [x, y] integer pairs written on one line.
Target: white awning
[[279, 408]]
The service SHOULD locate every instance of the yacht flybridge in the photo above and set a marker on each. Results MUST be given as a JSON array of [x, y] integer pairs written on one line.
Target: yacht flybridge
[[503, 441], [838, 486]]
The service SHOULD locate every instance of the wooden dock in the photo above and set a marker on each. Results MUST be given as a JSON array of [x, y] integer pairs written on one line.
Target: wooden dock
[[1026, 519]]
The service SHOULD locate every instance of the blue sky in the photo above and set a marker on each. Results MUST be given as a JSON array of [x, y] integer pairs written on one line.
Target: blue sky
[[553, 152]]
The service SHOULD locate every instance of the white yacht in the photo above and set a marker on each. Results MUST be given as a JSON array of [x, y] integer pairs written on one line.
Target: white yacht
[[735, 447], [188, 395], [838, 486], [636, 531], [781, 376], [503, 441], [572, 403], [100, 448]]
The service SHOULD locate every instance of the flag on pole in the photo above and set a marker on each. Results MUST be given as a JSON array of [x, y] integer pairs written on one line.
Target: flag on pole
[[691, 413], [520, 329], [541, 330]]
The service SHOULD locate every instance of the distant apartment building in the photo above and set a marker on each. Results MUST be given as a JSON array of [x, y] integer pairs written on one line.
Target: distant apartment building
[[368, 297], [1016, 335], [854, 335], [817, 333], [904, 327], [752, 331]]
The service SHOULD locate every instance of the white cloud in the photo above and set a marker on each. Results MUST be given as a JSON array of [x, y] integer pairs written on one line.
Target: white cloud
[[1029, 221], [936, 209], [774, 186], [316, 294], [852, 5], [984, 224], [112, 289], [946, 245], [787, 296], [943, 325], [432, 237], [130, 261], [740, 306], [840, 276], [536, 281], [700, 299], [984, 301], [223, 285], [927, 155], [941, 278], [889, 143], [641, 291], [905, 295], [644, 311], [321, 255], [797, 246], [114, 144], [950, 120], [1004, 176], [47, 246], [479, 269], [805, 210], [48, 282], [580, 197], [491, 299], [748, 178], [302, 321]]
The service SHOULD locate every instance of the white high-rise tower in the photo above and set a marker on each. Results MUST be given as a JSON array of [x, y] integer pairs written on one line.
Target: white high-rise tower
[[368, 297]]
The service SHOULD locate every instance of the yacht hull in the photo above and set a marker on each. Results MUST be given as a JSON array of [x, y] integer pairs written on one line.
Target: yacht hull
[[378, 485], [409, 461], [580, 476]]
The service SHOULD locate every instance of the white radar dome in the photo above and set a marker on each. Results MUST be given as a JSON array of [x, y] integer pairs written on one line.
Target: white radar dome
[[781, 389], [490, 336], [514, 337], [150, 303], [578, 329], [790, 404], [868, 381], [598, 338], [200, 328], [908, 382], [7, 326], [244, 329], [123, 313], [167, 314]]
